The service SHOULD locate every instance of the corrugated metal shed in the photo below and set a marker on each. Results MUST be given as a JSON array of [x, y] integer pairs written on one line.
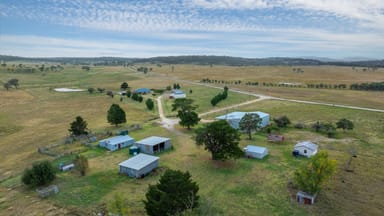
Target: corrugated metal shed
[[117, 139], [234, 118], [255, 151], [308, 144], [153, 140], [139, 161], [143, 90]]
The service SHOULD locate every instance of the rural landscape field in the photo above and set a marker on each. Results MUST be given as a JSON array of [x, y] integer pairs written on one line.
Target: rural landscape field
[[191, 107], [34, 115]]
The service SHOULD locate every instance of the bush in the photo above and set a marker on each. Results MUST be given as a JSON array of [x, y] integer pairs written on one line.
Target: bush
[[41, 173], [282, 121], [299, 125]]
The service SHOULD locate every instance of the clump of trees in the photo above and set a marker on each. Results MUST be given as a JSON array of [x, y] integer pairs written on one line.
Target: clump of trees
[[150, 104], [137, 97], [220, 139], [186, 112], [40, 174], [91, 90], [249, 123], [373, 86], [219, 97], [81, 164], [78, 127], [116, 115], [12, 82], [172, 195], [282, 121], [110, 94], [330, 129], [176, 86], [100, 90], [144, 69], [327, 128], [310, 177], [345, 124], [124, 86], [86, 68]]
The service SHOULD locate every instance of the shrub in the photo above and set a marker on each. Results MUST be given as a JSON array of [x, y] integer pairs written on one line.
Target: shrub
[[41, 173]]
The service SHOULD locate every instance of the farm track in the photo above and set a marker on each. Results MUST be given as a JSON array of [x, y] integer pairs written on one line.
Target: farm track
[[262, 97], [169, 123]]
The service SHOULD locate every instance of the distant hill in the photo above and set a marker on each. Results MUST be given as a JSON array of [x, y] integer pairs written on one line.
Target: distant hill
[[201, 60]]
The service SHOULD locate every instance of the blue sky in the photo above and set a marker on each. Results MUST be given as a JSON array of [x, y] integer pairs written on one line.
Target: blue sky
[[148, 28]]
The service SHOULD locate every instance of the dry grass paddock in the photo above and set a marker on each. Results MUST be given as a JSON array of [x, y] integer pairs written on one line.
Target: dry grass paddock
[[34, 116]]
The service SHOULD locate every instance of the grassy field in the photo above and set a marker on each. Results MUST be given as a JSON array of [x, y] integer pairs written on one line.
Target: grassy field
[[274, 74], [34, 116], [202, 97]]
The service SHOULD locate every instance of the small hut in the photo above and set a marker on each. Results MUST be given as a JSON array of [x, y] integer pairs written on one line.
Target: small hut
[[305, 198]]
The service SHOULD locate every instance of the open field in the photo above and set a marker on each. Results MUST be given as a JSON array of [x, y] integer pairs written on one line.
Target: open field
[[273, 74], [34, 116]]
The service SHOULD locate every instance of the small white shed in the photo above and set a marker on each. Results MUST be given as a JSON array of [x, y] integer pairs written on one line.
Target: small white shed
[[139, 165], [255, 151], [306, 148]]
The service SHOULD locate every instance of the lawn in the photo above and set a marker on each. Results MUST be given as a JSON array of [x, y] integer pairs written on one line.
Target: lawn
[[202, 96]]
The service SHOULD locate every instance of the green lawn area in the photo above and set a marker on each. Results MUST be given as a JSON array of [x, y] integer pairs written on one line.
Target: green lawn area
[[202, 97]]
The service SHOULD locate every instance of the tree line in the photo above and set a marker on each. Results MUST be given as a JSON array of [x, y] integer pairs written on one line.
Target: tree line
[[372, 86], [219, 97]]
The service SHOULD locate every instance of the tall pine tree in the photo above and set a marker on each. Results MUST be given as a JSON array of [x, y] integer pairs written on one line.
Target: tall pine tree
[[116, 115]]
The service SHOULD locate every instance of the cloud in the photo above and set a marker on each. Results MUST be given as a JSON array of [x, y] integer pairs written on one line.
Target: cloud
[[232, 4], [175, 27]]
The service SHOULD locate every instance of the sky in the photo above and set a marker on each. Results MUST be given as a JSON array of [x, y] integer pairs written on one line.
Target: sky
[[148, 28]]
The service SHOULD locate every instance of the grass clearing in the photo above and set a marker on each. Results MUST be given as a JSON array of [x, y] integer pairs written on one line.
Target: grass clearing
[[39, 117]]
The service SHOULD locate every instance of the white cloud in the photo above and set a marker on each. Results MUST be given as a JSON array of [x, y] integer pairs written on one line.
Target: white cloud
[[232, 4]]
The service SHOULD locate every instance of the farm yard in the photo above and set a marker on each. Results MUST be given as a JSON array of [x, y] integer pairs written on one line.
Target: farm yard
[[34, 115]]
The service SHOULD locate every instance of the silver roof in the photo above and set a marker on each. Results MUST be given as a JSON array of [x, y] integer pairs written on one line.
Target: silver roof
[[153, 140], [308, 144], [139, 161]]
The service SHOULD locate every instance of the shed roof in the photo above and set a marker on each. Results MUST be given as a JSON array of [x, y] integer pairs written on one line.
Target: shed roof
[[139, 161], [143, 90], [178, 92], [117, 139], [240, 115], [307, 144], [153, 140], [256, 149]]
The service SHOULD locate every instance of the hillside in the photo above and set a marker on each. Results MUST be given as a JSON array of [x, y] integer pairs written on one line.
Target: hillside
[[199, 60]]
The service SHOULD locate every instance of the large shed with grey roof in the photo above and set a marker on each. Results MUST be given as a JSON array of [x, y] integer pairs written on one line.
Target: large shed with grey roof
[[139, 165], [154, 144], [116, 142], [234, 118]]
